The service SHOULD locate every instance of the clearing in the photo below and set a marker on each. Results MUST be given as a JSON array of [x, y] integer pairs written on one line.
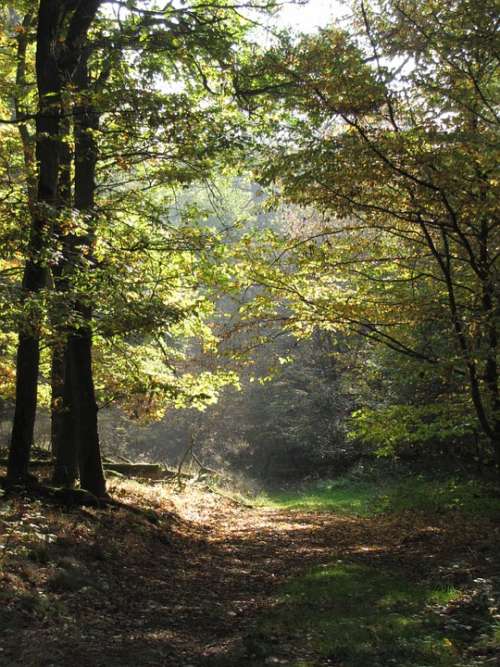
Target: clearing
[[343, 575]]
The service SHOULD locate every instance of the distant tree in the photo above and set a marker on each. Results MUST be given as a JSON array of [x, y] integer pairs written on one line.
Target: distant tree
[[392, 134]]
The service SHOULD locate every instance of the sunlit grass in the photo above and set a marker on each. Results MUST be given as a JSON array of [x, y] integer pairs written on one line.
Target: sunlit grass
[[358, 615], [367, 498], [338, 496]]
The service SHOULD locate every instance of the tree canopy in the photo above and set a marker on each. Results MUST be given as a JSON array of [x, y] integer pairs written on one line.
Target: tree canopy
[[134, 275]]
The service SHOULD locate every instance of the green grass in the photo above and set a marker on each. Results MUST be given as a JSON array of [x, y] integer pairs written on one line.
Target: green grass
[[364, 615], [335, 496], [358, 615], [361, 616], [367, 498]]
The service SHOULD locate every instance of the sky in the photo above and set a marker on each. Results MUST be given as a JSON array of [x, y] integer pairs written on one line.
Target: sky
[[310, 16], [304, 17]]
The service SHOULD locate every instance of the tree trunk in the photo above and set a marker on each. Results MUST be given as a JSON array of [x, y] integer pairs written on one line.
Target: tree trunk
[[489, 322], [34, 279], [57, 399], [85, 410], [66, 469], [79, 346], [62, 420], [27, 362], [495, 444]]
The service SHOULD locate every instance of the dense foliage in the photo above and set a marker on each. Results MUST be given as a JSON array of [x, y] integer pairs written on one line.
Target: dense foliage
[[392, 138], [138, 272]]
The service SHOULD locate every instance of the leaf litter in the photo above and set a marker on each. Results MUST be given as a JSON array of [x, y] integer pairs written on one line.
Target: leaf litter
[[110, 588]]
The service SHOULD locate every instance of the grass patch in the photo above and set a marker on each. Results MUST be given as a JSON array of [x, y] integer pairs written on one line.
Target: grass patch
[[362, 615], [358, 615], [345, 496], [341, 496], [470, 497]]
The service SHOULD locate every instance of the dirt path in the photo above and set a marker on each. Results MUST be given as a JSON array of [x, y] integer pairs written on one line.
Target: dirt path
[[120, 591]]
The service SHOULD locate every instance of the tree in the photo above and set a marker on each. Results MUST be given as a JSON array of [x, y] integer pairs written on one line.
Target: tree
[[34, 279], [158, 140], [392, 136]]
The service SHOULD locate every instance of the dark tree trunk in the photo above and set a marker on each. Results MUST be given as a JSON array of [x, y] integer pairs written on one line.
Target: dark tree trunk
[[34, 279], [79, 346], [85, 410], [66, 469], [27, 362], [62, 422], [80, 341], [495, 444], [490, 311], [57, 399]]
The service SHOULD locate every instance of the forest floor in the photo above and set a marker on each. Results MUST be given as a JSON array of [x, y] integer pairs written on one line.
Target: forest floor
[[210, 582]]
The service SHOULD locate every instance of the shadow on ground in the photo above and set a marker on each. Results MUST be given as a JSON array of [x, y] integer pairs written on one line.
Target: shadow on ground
[[204, 589]]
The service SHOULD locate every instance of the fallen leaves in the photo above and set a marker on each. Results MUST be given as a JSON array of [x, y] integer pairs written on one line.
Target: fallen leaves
[[108, 587]]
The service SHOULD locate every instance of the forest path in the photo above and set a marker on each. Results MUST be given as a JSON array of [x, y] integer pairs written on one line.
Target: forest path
[[195, 601], [190, 590]]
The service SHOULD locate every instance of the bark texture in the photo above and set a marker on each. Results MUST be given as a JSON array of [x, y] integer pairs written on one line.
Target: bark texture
[[34, 279]]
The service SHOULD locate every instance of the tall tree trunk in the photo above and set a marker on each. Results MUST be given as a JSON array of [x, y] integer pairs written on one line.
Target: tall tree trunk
[[80, 341], [62, 422], [79, 346], [34, 279]]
